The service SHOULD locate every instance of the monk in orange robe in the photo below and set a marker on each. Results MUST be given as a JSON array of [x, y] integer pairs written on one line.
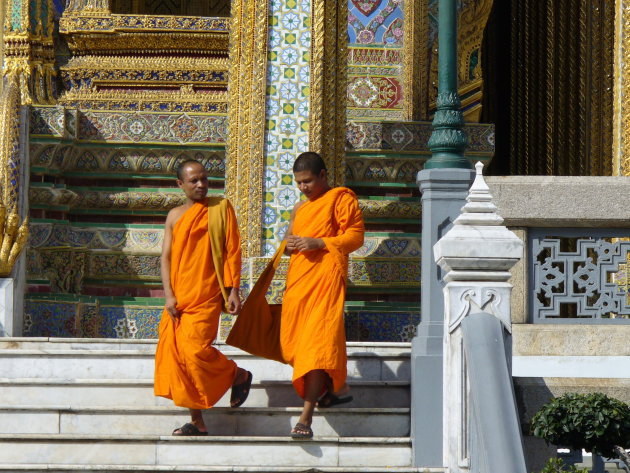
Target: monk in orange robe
[[188, 369], [323, 231]]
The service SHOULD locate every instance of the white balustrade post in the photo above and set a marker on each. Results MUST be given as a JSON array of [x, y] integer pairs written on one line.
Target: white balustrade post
[[476, 255]]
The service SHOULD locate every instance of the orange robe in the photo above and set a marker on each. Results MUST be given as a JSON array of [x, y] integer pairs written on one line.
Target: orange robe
[[312, 333], [188, 369]]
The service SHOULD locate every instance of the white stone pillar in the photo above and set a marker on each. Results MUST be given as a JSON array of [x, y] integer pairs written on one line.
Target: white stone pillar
[[476, 255], [6, 307]]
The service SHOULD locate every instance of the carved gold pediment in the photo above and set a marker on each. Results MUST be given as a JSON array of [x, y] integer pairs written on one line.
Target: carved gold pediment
[[145, 62]]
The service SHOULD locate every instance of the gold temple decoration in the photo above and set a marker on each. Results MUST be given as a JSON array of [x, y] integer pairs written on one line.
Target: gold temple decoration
[[621, 131], [471, 24], [329, 83], [415, 73], [29, 50], [143, 62], [13, 236], [561, 94], [246, 127]]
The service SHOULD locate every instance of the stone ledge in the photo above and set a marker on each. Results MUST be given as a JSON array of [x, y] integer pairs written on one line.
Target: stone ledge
[[561, 201], [570, 340]]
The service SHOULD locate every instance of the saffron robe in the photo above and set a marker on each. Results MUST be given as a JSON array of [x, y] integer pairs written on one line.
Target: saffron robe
[[312, 333], [188, 369]]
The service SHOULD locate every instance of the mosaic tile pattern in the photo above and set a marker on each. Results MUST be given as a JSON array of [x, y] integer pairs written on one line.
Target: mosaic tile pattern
[[141, 239], [287, 104], [148, 162], [381, 326], [412, 136], [45, 318], [384, 272], [375, 62], [88, 319], [48, 121], [134, 127]]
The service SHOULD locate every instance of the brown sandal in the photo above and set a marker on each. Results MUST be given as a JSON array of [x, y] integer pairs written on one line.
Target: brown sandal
[[241, 391], [301, 431], [188, 429]]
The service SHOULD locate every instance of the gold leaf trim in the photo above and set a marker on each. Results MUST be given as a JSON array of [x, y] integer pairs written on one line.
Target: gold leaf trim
[[246, 102]]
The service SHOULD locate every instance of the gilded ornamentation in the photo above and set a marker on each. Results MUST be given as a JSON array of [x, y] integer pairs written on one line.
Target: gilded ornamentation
[[144, 63], [13, 236], [328, 85], [85, 198], [562, 88], [29, 51], [181, 99], [621, 132], [363, 170], [415, 71], [472, 20], [152, 162], [245, 154], [412, 137], [390, 209]]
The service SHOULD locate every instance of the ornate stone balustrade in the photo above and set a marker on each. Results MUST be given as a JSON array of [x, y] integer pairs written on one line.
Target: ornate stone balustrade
[[576, 263]]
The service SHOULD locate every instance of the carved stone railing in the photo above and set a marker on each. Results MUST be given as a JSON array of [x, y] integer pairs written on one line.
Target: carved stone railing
[[576, 230], [481, 426], [579, 274]]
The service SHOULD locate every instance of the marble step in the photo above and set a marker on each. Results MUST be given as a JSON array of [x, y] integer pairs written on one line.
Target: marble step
[[57, 343], [368, 363], [46, 392], [235, 452], [221, 421], [61, 468]]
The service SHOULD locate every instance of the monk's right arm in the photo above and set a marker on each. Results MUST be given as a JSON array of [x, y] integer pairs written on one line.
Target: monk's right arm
[[170, 303], [289, 237]]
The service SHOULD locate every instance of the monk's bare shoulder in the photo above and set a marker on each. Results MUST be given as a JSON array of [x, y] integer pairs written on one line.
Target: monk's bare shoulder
[[298, 205], [174, 215]]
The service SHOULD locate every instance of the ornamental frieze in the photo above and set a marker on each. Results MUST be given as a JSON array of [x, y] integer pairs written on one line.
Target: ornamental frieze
[[148, 162]]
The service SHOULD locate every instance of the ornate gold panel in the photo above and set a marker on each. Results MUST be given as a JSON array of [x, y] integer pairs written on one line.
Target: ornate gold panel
[[329, 83], [415, 73], [245, 150], [621, 124]]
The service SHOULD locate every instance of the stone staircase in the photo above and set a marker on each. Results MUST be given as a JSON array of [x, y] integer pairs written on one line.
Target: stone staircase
[[87, 405]]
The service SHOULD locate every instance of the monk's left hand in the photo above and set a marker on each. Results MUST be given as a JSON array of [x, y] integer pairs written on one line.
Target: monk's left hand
[[234, 302], [309, 244]]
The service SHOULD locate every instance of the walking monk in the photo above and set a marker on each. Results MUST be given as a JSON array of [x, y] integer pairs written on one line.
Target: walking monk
[[201, 268], [323, 231]]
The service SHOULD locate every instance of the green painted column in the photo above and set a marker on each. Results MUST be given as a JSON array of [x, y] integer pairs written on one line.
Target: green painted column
[[448, 141]]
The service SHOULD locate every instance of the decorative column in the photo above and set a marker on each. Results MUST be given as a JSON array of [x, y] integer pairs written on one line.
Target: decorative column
[[29, 50], [287, 95], [448, 140], [481, 426], [444, 185], [13, 205], [621, 119]]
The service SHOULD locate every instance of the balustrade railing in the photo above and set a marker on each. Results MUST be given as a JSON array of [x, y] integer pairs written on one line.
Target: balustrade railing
[[579, 275]]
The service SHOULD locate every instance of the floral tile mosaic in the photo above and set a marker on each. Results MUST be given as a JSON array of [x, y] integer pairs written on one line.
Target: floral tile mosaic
[[381, 326], [287, 104], [375, 59], [50, 318], [46, 319], [182, 128], [412, 136]]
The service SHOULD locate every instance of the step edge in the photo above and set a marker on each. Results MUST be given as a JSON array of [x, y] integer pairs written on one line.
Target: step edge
[[149, 382], [157, 410], [83, 438]]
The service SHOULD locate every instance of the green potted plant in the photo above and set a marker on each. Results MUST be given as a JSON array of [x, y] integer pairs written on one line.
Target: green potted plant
[[556, 465], [593, 422]]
